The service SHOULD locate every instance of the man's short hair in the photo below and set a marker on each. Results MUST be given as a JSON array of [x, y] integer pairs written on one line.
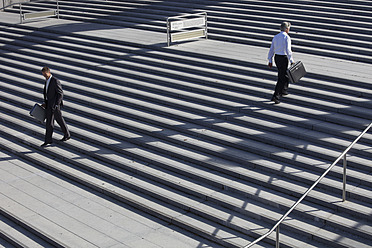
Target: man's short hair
[[284, 26], [45, 69]]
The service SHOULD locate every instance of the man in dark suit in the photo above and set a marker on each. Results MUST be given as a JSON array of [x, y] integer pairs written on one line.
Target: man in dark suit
[[53, 101]]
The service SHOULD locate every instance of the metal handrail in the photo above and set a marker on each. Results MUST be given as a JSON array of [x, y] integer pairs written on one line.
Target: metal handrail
[[17, 3], [22, 16], [4, 7], [343, 155]]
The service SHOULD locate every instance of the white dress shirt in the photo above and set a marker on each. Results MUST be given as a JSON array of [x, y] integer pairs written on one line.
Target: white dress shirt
[[281, 45], [47, 86]]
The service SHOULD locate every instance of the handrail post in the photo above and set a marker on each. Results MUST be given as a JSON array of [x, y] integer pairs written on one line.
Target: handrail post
[[20, 12], [57, 9], [277, 237], [206, 25], [168, 32], [344, 180]]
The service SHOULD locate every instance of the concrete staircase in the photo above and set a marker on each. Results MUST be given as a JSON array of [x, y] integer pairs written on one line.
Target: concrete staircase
[[327, 28], [190, 137]]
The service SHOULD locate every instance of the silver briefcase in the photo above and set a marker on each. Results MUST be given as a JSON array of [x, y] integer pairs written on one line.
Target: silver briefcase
[[38, 112]]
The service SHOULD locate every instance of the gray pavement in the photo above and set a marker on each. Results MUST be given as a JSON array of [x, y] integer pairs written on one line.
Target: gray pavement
[[9, 18]]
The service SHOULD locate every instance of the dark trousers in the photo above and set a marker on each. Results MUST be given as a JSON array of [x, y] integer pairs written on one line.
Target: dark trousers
[[281, 62], [50, 117]]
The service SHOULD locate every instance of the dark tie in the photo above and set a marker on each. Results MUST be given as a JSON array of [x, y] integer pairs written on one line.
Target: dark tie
[[45, 91]]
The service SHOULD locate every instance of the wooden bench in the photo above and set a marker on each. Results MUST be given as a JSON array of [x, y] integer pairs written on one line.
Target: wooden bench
[[39, 14], [186, 35]]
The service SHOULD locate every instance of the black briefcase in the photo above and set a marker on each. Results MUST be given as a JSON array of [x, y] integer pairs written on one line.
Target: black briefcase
[[296, 72], [38, 112]]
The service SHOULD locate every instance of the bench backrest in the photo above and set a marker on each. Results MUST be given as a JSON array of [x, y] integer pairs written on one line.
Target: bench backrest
[[186, 27], [39, 14]]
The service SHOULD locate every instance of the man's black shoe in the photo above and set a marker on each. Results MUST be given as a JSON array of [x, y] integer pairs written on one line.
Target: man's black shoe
[[46, 143], [276, 101], [65, 138], [285, 93]]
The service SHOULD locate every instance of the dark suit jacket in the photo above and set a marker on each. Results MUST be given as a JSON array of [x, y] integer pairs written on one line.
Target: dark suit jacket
[[54, 96]]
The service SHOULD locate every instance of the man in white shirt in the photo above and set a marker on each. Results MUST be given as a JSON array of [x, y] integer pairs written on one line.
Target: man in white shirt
[[281, 48]]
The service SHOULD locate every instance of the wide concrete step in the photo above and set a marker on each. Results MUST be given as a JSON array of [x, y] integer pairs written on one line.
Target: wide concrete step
[[328, 15], [239, 7], [36, 230], [309, 30], [221, 136], [327, 48], [179, 62], [164, 74], [357, 111], [300, 37], [163, 10], [217, 16], [307, 101], [347, 7], [190, 56], [12, 234], [180, 214], [124, 225], [112, 188], [89, 111], [179, 94], [151, 17], [232, 129], [185, 132], [138, 124], [332, 99], [153, 174], [5, 244]]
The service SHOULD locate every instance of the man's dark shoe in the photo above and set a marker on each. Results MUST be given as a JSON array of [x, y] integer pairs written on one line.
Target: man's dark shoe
[[65, 138], [275, 100], [46, 143], [285, 93]]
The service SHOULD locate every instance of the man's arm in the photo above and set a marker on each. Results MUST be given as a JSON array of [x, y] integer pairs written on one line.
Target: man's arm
[[59, 93], [288, 46], [271, 53]]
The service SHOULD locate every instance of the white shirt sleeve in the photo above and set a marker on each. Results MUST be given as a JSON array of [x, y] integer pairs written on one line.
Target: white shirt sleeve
[[271, 52], [288, 49]]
